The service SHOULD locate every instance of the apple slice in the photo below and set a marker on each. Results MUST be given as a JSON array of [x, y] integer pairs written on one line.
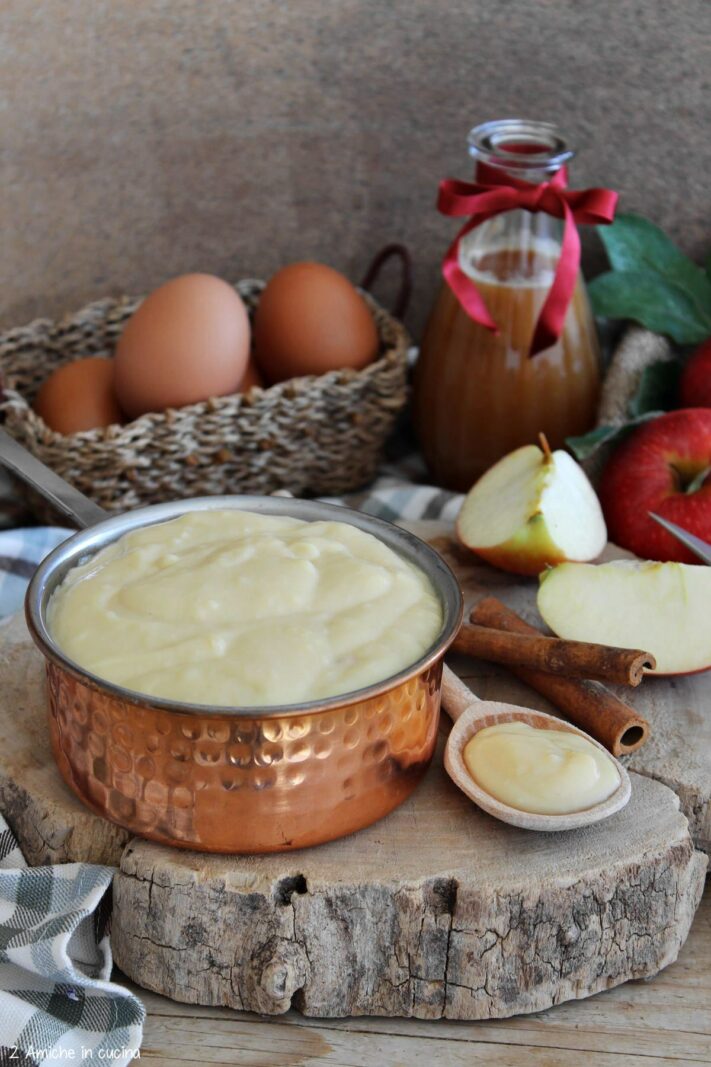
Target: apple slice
[[660, 607], [532, 508]]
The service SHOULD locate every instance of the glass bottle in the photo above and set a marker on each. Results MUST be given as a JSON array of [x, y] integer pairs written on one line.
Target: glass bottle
[[478, 395]]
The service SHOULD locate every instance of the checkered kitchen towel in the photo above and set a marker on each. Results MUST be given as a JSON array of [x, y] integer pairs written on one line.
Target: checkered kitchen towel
[[55, 958], [57, 1004], [20, 552], [56, 1000]]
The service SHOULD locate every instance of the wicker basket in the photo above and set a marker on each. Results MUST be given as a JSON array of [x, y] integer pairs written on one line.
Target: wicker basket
[[312, 435]]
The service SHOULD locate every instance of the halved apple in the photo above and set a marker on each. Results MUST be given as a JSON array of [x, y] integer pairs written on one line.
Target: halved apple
[[660, 607], [532, 508]]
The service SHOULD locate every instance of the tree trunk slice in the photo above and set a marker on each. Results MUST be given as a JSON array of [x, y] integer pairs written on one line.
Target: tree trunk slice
[[436, 911], [678, 752]]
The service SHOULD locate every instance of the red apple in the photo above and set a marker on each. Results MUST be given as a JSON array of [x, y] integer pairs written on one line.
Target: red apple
[[695, 381], [664, 466]]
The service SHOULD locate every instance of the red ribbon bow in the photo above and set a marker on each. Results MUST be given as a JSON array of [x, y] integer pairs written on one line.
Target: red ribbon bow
[[495, 192]]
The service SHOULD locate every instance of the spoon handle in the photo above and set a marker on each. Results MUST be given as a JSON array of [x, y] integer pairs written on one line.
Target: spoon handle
[[456, 696]]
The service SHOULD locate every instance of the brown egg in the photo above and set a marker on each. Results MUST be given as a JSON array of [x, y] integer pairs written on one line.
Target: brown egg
[[252, 376], [188, 341], [79, 396], [310, 320]]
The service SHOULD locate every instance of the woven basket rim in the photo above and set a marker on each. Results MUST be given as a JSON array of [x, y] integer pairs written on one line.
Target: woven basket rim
[[13, 399]]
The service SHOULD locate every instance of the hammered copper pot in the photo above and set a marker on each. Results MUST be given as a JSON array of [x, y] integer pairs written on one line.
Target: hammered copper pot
[[238, 779]]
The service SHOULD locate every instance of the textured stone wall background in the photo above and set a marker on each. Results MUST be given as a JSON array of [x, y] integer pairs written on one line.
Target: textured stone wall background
[[142, 138]]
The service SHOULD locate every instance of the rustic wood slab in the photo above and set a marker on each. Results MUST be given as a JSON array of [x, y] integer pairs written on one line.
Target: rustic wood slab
[[678, 753], [660, 1023], [436, 911]]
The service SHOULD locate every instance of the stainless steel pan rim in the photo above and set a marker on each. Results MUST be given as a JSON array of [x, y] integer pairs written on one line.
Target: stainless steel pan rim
[[86, 543]]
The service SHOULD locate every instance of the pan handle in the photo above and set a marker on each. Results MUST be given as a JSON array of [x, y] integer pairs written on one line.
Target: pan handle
[[64, 497]]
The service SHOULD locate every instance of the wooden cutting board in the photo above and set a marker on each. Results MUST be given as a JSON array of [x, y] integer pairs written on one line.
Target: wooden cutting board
[[436, 911], [678, 752]]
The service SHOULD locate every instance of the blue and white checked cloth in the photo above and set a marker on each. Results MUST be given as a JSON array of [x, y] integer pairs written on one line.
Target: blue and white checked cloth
[[56, 1000], [20, 552]]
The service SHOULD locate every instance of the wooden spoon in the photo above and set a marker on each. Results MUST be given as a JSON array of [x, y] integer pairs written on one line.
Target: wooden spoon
[[469, 715]]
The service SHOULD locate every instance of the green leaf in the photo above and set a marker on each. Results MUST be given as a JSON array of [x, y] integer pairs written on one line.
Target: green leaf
[[587, 443], [635, 244], [657, 388], [652, 301], [655, 393], [707, 266]]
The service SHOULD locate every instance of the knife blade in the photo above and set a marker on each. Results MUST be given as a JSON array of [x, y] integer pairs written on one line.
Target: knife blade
[[700, 548]]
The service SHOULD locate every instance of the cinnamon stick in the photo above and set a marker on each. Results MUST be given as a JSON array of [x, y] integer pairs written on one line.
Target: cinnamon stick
[[574, 659], [588, 704]]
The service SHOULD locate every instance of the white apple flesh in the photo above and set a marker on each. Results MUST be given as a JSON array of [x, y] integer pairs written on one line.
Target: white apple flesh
[[531, 509], [662, 608]]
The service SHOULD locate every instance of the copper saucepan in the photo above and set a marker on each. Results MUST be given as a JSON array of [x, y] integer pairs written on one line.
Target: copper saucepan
[[235, 779]]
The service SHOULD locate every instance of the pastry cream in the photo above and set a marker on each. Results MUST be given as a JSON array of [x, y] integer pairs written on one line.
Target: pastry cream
[[546, 772], [235, 608]]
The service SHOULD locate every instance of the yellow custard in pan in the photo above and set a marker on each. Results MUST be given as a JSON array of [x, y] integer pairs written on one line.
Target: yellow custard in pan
[[229, 607]]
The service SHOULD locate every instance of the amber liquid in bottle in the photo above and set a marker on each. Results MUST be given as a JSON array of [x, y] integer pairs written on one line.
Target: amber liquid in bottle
[[478, 395]]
